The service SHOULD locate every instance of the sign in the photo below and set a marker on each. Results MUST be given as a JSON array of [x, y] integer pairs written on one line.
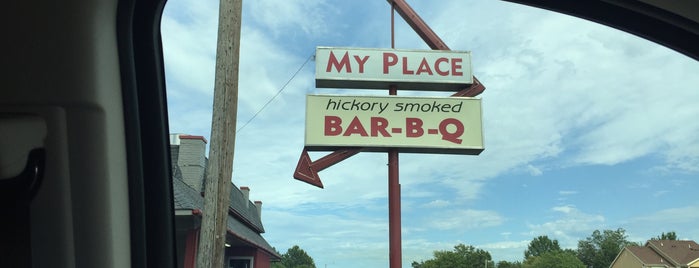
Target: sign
[[409, 124], [366, 68]]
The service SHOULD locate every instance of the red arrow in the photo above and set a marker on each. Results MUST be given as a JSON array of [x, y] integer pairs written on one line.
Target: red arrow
[[307, 170]]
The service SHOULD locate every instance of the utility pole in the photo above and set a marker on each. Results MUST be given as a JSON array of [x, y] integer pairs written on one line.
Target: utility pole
[[223, 126]]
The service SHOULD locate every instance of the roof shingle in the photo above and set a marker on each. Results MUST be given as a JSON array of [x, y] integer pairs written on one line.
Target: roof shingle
[[187, 198], [680, 252]]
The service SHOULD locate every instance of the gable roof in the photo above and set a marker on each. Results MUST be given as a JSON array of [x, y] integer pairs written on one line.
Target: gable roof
[[187, 198], [241, 208], [679, 252], [647, 255]]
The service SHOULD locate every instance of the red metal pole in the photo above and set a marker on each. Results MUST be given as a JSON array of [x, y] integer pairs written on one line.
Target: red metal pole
[[393, 39], [394, 224]]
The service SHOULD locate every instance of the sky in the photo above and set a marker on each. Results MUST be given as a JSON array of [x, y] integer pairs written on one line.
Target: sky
[[586, 128]]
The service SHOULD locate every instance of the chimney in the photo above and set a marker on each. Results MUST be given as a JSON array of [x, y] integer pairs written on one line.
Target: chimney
[[192, 159], [246, 195], [258, 204]]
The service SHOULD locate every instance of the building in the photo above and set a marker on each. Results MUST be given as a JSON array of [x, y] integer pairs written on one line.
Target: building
[[245, 246], [659, 253]]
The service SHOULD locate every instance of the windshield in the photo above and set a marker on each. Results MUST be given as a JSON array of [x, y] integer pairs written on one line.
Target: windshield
[[586, 128]]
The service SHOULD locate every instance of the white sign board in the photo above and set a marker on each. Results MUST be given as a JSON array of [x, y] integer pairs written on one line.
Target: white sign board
[[367, 68], [409, 124]]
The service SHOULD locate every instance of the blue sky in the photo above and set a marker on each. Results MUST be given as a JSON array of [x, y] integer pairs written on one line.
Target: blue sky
[[586, 128]]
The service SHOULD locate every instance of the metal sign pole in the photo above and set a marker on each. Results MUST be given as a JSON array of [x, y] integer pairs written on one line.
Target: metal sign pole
[[394, 224], [394, 213], [307, 170]]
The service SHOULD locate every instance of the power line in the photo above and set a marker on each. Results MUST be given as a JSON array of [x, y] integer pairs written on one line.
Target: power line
[[278, 92]]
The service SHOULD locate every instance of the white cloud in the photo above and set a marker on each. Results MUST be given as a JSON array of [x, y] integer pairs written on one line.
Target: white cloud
[[564, 209], [310, 16], [551, 82], [687, 214], [660, 193], [681, 220], [437, 204], [506, 250], [465, 219], [569, 227], [422, 249], [506, 245], [328, 238], [189, 47], [534, 171]]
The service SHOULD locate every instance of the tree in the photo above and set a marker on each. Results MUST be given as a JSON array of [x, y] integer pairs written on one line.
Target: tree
[[295, 257], [461, 257], [600, 249], [279, 263], [666, 236], [507, 264], [541, 245], [554, 259]]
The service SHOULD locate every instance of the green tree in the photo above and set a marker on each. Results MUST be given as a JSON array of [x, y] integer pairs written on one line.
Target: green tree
[[541, 245], [600, 249], [295, 257], [461, 257], [666, 236], [277, 265], [507, 264], [554, 259]]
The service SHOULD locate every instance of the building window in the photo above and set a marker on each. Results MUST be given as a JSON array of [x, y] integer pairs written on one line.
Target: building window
[[239, 262]]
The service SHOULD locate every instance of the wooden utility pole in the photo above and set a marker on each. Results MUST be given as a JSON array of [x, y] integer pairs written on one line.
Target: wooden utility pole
[[217, 189]]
